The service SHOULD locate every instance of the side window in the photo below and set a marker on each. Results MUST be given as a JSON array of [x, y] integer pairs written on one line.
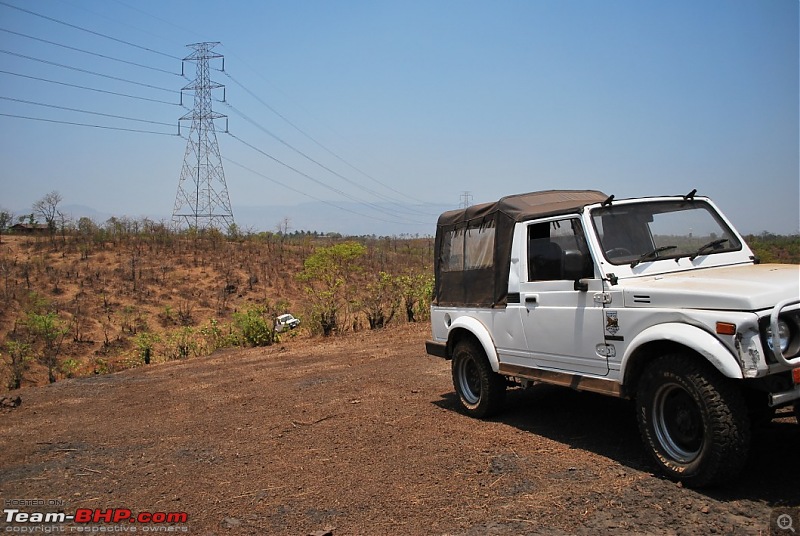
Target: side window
[[557, 251], [453, 251], [469, 249], [479, 247]]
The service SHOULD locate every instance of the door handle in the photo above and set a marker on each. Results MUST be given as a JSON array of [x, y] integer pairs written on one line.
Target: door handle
[[532, 298]]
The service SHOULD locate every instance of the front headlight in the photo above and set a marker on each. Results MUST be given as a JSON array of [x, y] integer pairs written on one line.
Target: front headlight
[[784, 334]]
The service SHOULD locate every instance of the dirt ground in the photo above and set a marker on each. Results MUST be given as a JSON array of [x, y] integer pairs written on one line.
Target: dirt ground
[[361, 434]]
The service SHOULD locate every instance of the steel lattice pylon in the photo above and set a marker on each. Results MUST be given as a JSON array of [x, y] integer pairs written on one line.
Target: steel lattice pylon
[[206, 203]]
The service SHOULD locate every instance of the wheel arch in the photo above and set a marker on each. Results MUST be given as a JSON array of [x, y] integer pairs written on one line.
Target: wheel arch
[[466, 327], [669, 338]]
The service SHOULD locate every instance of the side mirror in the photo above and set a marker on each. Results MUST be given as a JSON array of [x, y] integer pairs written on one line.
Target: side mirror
[[574, 264], [575, 269]]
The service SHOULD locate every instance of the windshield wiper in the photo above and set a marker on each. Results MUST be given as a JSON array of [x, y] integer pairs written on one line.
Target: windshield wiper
[[711, 245], [651, 254]]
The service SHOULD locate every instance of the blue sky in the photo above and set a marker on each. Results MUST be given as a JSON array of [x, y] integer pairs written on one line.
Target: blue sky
[[409, 103]]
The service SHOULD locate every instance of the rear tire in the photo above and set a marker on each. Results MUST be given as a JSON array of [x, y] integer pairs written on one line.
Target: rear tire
[[693, 421], [480, 390]]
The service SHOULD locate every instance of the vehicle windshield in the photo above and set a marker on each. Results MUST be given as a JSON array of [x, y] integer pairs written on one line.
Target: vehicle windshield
[[646, 232]]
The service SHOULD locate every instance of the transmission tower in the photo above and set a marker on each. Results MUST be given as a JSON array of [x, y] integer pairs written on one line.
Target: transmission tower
[[466, 199], [202, 200]]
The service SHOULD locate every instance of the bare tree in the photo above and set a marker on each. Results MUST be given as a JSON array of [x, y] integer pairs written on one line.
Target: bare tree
[[6, 217], [47, 208], [65, 221]]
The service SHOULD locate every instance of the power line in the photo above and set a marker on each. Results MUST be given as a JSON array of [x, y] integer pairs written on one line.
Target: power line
[[86, 111], [89, 31], [323, 166], [279, 183], [329, 203], [305, 134], [165, 21], [301, 131], [89, 52], [253, 94], [284, 164], [89, 88], [86, 124], [317, 181], [86, 71]]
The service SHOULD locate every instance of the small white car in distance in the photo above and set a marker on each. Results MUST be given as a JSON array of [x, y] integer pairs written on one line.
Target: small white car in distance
[[286, 321]]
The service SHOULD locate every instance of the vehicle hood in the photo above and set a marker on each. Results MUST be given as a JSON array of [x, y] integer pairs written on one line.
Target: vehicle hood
[[744, 288]]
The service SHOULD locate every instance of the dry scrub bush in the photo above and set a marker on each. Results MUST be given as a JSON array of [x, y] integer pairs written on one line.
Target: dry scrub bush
[[110, 284]]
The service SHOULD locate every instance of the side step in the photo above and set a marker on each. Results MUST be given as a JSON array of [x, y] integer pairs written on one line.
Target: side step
[[579, 383]]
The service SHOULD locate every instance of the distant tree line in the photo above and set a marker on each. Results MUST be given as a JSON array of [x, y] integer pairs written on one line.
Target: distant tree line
[[772, 248]]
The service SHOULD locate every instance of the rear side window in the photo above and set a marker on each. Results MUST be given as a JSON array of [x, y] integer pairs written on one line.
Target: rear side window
[[470, 248]]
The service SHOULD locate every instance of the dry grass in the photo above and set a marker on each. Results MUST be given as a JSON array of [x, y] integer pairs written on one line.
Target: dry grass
[[111, 294]]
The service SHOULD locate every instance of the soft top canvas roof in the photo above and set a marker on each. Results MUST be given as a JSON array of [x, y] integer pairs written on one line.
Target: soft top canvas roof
[[521, 207], [488, 286]]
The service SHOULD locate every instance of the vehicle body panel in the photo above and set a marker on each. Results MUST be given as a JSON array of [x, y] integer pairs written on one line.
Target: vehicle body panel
[[599, 325]]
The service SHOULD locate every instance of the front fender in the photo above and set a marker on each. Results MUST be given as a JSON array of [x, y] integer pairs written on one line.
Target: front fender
[[694, 338], [479, 330]]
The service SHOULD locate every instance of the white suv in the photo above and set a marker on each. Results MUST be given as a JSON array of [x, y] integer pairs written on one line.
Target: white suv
[[655, 299], [286, 321]]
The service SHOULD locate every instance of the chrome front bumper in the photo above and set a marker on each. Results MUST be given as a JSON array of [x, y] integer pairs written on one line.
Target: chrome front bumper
[[779, 399]]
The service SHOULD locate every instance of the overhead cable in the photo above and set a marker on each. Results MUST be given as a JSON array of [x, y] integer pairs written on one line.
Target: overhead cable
[[90, 52], [86, 71], [160, 19], [86, 111], [89, 31], [90, 88], [323, 166], [301, 131], [309, 177], [86, 124], [296, 190], [279, 183]]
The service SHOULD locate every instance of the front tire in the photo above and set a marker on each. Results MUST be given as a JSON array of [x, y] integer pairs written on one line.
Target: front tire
[[480, 390], [693, 421]]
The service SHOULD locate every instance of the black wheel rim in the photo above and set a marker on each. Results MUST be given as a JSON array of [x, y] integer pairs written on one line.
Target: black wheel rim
[[469, 380], [678, 423]]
